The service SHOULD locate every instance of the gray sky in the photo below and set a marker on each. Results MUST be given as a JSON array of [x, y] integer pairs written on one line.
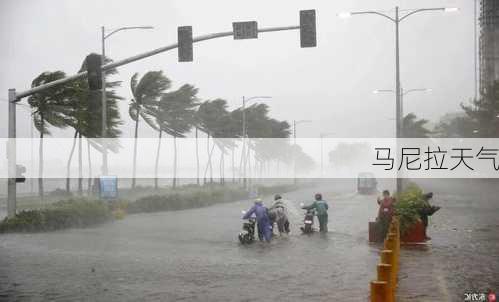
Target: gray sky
[[331, 84]]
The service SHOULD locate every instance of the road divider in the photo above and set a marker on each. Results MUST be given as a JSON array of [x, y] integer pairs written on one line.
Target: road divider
[[383, 289]]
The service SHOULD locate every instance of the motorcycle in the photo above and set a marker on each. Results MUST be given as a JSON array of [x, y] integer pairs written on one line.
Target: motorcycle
[[247, 236], [308, 221]]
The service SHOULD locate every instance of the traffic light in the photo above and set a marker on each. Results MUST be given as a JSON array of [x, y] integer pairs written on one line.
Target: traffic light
[[20, 169], [307, 28], [184, 36], [94, 71]]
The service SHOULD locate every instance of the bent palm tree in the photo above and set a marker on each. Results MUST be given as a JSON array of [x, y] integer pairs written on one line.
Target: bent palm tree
[[48, 110], [146, 92], [85, 116], [176, 116]]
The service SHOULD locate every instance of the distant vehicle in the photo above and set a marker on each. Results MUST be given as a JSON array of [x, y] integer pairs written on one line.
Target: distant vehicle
[[366, 183]]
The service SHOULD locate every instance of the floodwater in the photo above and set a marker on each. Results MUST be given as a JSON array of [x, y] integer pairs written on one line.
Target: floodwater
[[193, 255]]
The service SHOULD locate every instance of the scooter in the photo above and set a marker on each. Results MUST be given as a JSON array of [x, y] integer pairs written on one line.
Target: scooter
[[308, 222], [247, 236]]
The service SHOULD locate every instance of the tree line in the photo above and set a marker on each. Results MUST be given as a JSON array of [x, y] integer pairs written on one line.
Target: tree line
[[172, 112]]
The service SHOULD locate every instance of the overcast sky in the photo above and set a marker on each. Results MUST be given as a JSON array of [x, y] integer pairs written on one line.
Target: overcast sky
[[331, 85]]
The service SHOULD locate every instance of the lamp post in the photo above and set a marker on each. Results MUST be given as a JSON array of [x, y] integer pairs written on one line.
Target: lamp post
[[295, 123], [397, 19], [403, 93], [322, 135], [244, 133], [104, 36]]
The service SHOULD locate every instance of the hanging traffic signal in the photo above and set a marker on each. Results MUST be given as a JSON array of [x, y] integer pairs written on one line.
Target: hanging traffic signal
[[94, 71], [184, 36], [308, 36], [20, 170]]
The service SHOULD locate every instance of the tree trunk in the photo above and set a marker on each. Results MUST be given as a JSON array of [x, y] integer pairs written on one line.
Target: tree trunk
[[89, 189], [209, 161], [221, 166], [242, 162], [197, 158], [248, 164], [40, 162], [134, 170], [174, 185], [80, 166], [68, 167], [157, 161], [233, 167]]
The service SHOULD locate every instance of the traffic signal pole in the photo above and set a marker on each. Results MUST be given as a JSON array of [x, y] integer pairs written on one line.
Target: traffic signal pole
[[11, 154], [16, 97]]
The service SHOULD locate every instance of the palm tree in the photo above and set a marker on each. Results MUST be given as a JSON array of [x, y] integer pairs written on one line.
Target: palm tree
[[176, 113], [214, 120], [146, 92], [48, 110], [414, 127], [85, 117]]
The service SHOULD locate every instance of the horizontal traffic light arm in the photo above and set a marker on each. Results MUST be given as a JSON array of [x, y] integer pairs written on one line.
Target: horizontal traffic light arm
[[141, 56]]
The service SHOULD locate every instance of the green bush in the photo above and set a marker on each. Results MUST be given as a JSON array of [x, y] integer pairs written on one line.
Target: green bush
[[408, 206], [60, 215], [186, 198]]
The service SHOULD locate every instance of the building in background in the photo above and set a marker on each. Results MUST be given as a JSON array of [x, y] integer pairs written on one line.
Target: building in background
[[489, 43]]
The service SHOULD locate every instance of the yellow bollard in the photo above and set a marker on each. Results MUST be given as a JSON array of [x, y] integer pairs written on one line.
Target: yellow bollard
[[379, 291], [385, 274], [389, 257]]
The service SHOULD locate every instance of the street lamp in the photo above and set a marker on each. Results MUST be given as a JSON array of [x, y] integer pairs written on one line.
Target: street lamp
[[396, 20], [104, 36], [295, 123], [322, 135], [244, 134]]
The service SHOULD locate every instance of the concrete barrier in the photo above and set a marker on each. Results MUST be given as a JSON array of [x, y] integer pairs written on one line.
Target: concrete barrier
[[384, 288]]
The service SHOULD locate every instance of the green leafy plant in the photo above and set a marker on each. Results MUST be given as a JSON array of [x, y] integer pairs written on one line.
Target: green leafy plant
[[60, 215], [408, 206]]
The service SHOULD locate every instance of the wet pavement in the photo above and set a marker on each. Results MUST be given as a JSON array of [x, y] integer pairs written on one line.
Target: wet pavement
[[194, 255], [463, 255]]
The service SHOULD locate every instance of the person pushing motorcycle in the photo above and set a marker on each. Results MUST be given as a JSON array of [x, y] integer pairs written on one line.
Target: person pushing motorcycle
[[321, 208], [278, 215], [262, 219]]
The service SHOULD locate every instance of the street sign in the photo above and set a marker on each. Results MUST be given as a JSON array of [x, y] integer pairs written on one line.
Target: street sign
[[20, 170], [245, 30], [93, 63], [307, 28], [108, 187], [185, 52]]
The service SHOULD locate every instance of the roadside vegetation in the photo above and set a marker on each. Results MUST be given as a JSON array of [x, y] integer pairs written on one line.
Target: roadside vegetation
[[85, 212], [408, 207]]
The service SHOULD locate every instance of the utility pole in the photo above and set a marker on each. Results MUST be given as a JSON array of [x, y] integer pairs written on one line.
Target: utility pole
[[11, 154], [396, 20], [104, 105]]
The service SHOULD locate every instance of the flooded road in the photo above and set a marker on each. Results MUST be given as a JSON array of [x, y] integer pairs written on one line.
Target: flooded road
[[463, 255], [194, 255]]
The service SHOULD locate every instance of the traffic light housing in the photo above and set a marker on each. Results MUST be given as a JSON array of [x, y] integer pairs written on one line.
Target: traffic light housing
[[20, 170], [184, 37], [94, 71], [308, 36]]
